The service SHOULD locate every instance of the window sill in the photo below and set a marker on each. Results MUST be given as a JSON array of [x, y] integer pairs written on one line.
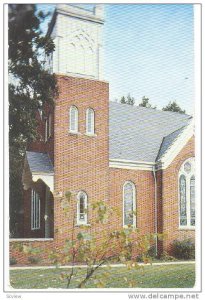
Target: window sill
[[74, 133], [91, 134], [129, 227], [186, 228], [79, 225]]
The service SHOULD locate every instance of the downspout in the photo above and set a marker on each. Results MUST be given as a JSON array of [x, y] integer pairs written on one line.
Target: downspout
[[155, 211]]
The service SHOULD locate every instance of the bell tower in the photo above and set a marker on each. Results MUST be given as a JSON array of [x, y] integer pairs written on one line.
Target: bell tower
[[77, 34], [81, 113]]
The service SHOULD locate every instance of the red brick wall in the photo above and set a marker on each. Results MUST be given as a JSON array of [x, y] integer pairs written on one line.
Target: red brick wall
[[170, 200], [81, 161], [22, 257], [144, 183]]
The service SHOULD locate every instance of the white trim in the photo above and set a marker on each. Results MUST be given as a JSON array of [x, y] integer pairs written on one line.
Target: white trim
[[119, 265], [45, 177], [177, 146], [43, 173], [91, 135], [132, 161], [134, 204], [30, 239], [79, 13], [49, 125], [46, 129], [92, 131], [131, 165], [75, 130], [35, 210], [70, 74], [187, 228], [85, 221], [188, 177]]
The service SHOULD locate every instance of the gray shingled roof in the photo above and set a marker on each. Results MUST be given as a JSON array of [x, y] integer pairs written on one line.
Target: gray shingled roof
[[168, 141], [136, 133], [39, 162]]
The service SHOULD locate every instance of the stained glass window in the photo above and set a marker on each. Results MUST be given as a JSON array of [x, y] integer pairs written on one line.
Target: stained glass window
[[82, 208], [129, 203], [73, 119], [187, 193], [183, 209], [35, 210], [90, 120], [192, 201]]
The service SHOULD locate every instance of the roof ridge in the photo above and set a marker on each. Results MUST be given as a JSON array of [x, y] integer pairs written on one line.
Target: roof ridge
[[151, 109]]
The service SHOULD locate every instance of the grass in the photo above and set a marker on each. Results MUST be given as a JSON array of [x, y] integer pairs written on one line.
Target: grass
[[172, 276]]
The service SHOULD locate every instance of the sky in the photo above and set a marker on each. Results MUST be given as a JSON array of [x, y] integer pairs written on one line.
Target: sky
[[149, 51]]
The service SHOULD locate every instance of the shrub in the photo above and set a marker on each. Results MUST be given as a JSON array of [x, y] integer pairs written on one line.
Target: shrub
[[152, 251], [13, 261], [166, 257], [184, 249], [33, 259], [149, 254]]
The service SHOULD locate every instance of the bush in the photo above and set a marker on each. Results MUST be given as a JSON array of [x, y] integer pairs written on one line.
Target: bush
[[152, 251], [166, 257], [184, 249], [13, 261], [150, 254], [33, 259]]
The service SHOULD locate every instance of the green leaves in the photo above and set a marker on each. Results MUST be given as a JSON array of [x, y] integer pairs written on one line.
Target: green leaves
[[145, 103], [129, 100], [173, 106], [102, 212], [87, 236], [31, 87], [68, 195]]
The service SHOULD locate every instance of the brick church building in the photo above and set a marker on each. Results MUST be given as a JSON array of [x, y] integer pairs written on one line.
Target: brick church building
[[130, 157]]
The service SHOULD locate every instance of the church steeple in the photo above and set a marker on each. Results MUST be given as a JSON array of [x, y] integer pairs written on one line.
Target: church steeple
[[77, 34]]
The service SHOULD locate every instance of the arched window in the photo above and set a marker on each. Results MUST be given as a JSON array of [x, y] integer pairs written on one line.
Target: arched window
[[35, 210], [183, 209], [187, 193], [73, 119], [90, 121], [129, 204], [82, 205], [192, 201]]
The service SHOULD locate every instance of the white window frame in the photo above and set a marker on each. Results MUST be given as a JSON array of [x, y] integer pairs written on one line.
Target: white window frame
[[79, 220], [188, 177], [134, 225], [49, 125], [75, 130], [92, 131], [35, 210], [46, 129]]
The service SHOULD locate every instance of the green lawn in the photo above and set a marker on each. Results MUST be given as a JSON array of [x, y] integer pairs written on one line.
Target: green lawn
[[164, 276]]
